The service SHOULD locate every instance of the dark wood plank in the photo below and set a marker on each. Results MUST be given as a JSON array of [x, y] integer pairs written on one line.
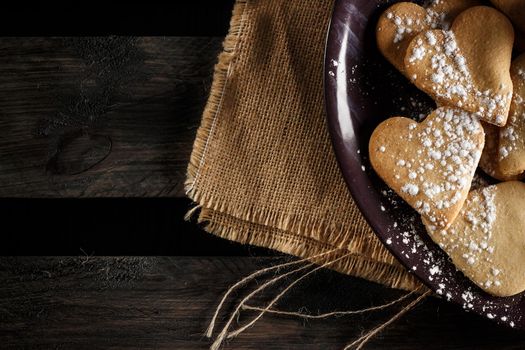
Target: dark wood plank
[[100, 117], [165, 303]]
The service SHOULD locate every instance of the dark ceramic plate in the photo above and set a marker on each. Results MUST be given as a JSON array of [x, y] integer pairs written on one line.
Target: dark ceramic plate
[[361, 90]]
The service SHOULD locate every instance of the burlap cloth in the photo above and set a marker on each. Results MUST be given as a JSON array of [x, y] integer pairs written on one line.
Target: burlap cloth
[[262, 169]]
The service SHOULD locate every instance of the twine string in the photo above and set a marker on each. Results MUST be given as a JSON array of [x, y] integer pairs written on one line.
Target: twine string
[[365, 338], [247, 279], [280, 295], [333, 313], [222, 335], [242, 305]]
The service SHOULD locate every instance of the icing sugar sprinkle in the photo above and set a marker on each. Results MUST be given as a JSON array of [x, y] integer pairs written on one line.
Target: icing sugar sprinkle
[[411, 189], [521, 74], [431, 38], [418, 53], [403, 25], [451, 79], [407, 25], [509, 140], [442, 173], [474, 240]]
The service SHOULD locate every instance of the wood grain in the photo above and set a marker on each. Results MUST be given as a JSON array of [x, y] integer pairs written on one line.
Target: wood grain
[[165, 303], [102, 116]]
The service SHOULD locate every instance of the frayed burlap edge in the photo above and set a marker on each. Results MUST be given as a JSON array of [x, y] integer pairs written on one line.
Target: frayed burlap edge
[[222, 70], [356, 238], [221, 225], [370, 260], [311, 227]]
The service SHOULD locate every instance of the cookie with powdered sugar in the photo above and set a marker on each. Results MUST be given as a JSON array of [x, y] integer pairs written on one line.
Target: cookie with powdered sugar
[[511, 148], [404, 20], [489, 158], [468, 66], [429, 164], [487, 240], [503, 157]]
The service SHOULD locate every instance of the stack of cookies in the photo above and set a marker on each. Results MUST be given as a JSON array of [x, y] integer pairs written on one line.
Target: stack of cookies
[[461, 54]]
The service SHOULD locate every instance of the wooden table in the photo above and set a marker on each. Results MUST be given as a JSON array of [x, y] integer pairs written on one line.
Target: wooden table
[[115, 118]]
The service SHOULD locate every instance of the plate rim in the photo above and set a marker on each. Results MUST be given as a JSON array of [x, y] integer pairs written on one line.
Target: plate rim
[[341, 154]]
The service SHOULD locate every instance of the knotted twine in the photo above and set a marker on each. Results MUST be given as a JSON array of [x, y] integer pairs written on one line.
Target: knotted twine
[[262, 170]]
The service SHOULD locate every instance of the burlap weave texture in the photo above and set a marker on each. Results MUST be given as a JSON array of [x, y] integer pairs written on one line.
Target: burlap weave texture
[[262, 169]]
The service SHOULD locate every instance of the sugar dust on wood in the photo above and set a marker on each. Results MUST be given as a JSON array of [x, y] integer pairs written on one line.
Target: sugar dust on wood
[[111, 64], [114, 272]]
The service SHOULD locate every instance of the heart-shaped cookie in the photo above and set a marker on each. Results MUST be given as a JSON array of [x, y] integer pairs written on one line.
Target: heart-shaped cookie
[[467, 66], [430, 164], [489, 161], [404, 20], [515, 9], [487, 239], [445, 11], [512, 136], [504, 154], [396, 28]]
